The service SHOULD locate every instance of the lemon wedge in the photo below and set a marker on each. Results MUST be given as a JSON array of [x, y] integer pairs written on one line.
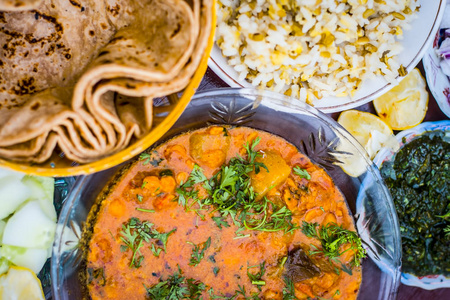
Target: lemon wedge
[[20, 284], [369, 130], [405, 105], [360, 124], [351, 158]]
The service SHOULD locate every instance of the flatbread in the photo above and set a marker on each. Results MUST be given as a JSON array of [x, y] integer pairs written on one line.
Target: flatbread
[[142, 50], [19, 5], [50, 46]]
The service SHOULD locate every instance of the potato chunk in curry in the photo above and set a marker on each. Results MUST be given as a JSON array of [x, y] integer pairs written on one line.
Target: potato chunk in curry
[[277, 172], [210, 147]]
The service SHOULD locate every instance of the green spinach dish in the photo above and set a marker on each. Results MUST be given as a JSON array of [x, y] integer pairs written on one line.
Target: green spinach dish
[[419, 181]]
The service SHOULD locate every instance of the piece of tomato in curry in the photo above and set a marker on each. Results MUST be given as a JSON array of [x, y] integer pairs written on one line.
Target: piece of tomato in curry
[[143, 234]]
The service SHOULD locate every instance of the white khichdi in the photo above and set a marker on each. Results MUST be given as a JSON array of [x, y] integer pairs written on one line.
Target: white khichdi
[[313, 48]]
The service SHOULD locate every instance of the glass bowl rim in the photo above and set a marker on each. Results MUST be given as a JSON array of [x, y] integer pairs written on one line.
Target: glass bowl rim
[[282, 103]]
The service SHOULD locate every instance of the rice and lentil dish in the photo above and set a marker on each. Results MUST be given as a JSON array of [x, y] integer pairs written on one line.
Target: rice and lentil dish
[[313, 48]]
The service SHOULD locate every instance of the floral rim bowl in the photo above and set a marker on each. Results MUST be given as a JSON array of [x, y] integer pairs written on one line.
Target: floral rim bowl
[[429, 282], [438, 82]]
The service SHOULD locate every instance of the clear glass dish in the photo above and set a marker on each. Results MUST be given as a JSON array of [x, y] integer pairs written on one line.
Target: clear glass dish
[[62, 187], [314, 133]]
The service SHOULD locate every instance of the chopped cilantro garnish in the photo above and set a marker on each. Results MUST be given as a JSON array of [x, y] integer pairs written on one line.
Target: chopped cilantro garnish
[[231, 194], [145, 210], [198, 252], [147, 159], [256, 278], [220, 222], [134, 233], [332, 237], [302, 173], [176, 287]]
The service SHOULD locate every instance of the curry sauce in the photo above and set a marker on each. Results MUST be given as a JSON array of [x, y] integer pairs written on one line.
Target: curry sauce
[[222, 213]]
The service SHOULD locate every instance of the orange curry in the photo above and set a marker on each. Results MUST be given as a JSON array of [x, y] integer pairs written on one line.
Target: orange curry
[[221, 213]]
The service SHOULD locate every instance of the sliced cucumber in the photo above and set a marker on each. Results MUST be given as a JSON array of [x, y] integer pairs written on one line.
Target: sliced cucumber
[[47, 184], [12, 194], [9, 173], [2, 228], [29, 227], [33, 259], [42, 189], [4, 264]]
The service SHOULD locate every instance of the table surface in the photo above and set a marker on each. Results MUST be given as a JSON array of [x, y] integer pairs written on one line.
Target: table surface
[[211, 81]]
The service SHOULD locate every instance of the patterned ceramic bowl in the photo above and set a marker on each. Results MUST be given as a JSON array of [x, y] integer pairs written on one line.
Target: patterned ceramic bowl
[[314, 133], [430, 282], [438, 82]]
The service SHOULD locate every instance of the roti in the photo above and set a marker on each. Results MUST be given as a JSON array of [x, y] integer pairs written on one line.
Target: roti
[[81, 76], [19, 5]]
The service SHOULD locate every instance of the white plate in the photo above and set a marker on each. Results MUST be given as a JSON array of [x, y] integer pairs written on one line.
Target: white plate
[[429, 282], [438, 82], [415, 41]]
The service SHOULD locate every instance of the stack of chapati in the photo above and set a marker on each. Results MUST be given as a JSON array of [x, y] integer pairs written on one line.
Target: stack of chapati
[[81, 75]]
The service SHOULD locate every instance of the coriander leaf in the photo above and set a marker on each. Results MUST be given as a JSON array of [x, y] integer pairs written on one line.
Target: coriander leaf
[[309, 229], [186, 190], [256, 278], [197, 175], [332, 237], [220, 222], [134, 233], [195, 288], [145, 210], [156, 251], [176, 287], [162, 237], [288, 290], [302, 173], [198, 252], [346, 269], [145, 157]]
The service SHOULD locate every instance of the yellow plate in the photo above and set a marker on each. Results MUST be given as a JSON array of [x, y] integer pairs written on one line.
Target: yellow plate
[[61, 167]]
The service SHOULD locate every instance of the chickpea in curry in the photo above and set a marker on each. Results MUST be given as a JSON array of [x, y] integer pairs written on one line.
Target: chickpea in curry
[[223, 213]]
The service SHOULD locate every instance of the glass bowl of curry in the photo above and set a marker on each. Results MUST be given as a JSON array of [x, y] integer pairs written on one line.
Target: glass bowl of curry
[[244, 198]]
